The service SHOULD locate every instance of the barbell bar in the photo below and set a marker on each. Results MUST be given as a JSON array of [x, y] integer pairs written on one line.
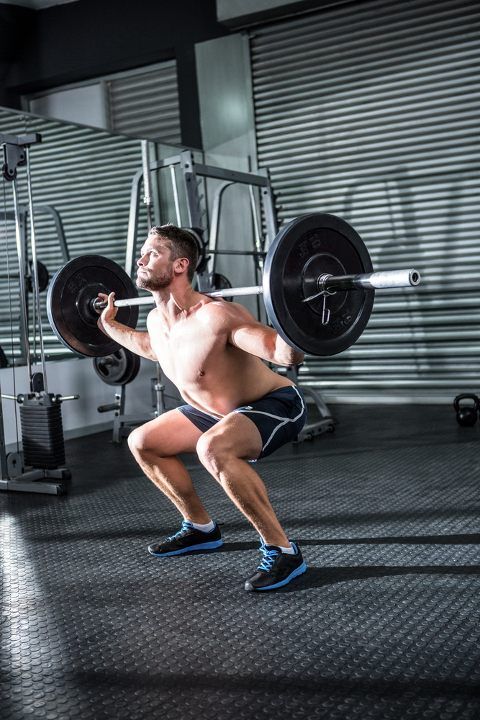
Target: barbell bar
[[328, 284], [318, 287]]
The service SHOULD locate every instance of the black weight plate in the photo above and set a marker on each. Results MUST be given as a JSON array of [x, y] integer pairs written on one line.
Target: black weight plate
[[118, 368], [221, 282], [197, 235], [307, 247], [70, 293], [43, 277]]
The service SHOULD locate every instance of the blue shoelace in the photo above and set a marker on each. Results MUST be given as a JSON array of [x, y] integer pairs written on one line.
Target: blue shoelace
[[186, 526], [269, 557]]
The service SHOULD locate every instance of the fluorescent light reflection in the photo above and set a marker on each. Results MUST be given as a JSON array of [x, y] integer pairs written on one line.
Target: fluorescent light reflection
[[26, 652]]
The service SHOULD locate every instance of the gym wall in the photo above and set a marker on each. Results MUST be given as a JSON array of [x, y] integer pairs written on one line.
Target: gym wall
[[141, 103], [369, 111], [228, 138], [78, 41]]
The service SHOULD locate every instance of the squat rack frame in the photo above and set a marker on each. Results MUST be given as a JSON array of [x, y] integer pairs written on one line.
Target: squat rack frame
[[191, 171]]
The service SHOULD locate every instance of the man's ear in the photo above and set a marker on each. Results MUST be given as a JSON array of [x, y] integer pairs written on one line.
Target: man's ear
[[180, 265]]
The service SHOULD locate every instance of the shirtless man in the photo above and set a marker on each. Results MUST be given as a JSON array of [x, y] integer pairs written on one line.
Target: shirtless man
[[238, 408]]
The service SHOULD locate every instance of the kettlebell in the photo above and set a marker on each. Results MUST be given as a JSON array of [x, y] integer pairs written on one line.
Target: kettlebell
[[467, 414]]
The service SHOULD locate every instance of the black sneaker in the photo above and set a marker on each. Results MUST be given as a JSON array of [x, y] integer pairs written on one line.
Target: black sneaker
[[186, 540], [276, 569]]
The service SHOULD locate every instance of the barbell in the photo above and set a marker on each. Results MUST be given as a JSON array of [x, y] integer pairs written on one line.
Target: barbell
[[318, 287]]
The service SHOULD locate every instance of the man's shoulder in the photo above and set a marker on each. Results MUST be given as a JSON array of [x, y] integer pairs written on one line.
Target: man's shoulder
[[152, 315], [222, 311]]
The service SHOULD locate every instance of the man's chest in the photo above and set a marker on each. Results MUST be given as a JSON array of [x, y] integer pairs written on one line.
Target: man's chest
[[187, 348]]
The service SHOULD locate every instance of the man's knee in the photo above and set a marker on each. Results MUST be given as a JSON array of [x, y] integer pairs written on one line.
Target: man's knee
[[135, 441], [140, 442], [212, 452]]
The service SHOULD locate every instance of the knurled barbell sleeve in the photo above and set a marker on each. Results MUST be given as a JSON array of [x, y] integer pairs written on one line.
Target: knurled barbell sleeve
[[374, 281]]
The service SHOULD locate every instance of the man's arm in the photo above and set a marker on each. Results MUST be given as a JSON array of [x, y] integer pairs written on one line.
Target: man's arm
[[135, 340], [258, 339]]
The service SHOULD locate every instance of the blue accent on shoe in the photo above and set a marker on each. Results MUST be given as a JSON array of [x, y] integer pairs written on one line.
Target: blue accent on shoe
[[298, 571], [276, 569], [191, 548], [191, 538], [269, 556], [186, 525]]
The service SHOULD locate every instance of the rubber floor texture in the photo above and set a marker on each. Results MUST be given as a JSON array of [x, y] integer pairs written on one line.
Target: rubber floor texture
[[384, 625]]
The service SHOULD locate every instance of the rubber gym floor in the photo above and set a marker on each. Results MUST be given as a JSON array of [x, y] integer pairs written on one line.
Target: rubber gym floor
[[384, 624]]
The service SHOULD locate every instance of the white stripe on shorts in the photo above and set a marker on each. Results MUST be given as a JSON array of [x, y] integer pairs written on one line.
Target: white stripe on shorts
[[283, 422]]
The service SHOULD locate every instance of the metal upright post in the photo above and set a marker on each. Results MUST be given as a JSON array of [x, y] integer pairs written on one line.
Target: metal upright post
[[133, 223], [22, 265], [268, 201], [215, 222], [147, 185], [191, 189], [195, 217], [3, 450]]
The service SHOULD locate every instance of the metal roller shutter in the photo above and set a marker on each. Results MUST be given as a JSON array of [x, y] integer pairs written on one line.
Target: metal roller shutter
[[86, 175], [370, 111], [145, 103]]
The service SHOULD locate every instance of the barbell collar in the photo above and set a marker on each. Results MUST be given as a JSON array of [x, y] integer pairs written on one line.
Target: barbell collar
[[371, 281]]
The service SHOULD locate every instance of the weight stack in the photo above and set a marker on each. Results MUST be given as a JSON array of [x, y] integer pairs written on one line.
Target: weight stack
[[42, 432]]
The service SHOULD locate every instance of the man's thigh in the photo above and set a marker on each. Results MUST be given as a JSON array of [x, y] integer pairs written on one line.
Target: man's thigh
[[278, 417], [254, 431], [236, 434], [169, 434]]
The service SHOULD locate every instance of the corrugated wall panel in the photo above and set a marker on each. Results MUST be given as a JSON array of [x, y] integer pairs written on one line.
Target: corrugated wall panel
[[146, 103], [86, 175], [370, 111]]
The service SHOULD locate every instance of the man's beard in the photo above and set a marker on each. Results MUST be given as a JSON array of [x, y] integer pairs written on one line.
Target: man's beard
[[158, 282]]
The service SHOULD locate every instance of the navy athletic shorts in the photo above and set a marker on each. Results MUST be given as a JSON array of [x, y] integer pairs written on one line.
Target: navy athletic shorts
[[279, 417]]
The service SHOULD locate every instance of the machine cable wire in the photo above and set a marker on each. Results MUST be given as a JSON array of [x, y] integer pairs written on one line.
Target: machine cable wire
[[37, 313], [10, 312]]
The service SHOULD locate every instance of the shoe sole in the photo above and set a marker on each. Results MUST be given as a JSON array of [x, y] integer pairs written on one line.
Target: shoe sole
[[295, 573], [213, 545]]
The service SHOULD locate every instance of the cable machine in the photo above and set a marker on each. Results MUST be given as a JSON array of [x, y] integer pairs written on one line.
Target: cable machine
[[40, 466]]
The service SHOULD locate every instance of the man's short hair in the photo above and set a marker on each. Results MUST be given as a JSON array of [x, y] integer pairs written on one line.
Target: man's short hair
[[181, 244]]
